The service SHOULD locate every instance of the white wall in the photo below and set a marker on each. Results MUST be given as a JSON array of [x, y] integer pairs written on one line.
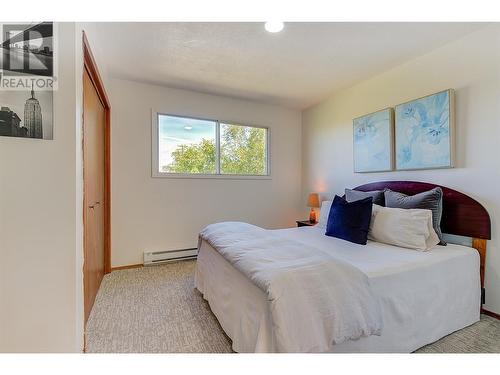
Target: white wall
[[471, 66], [38, 228], [161, 213], [41, 234]]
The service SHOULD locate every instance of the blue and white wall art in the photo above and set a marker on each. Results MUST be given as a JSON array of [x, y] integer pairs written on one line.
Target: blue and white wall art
[[373, 141], [425, 131]]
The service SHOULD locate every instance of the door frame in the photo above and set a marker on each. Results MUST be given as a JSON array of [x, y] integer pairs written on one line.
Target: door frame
[[90, 65]]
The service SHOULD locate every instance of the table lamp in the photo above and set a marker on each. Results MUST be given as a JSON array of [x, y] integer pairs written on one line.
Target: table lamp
[[313, 202]]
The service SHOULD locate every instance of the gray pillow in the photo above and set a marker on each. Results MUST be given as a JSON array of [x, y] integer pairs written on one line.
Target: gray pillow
[[355, 195], [429, 200]]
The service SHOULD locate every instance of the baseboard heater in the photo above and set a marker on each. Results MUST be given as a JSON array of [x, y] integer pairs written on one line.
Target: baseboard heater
[[158, 257]]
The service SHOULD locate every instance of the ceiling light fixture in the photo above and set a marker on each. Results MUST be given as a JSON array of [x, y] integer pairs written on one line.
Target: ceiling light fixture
[[274, 27], [188, 127]]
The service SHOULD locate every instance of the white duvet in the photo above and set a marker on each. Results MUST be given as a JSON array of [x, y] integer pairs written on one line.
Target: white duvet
[[316, 299]]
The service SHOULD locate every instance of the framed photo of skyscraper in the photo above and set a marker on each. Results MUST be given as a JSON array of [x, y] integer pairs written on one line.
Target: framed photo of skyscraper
[[27, 114]]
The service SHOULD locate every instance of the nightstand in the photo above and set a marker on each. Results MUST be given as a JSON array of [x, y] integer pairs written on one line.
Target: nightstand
[[305, 223]]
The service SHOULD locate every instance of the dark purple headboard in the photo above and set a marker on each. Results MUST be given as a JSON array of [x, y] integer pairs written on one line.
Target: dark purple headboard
[[462, 215]]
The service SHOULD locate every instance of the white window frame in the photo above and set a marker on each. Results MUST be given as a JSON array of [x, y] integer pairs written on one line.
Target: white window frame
[[155, 145]]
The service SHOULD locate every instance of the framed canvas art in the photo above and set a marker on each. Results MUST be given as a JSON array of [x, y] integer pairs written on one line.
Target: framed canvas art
[[373, 141], [425, 130]]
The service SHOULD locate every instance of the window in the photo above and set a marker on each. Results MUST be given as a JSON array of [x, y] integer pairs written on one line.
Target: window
[[186, 147], [243, 150]]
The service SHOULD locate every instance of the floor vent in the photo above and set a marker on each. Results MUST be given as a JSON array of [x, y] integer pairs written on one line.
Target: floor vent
[[158, 257]]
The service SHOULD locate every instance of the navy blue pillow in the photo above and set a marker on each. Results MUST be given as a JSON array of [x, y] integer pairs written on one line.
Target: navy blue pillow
[[350, 221]]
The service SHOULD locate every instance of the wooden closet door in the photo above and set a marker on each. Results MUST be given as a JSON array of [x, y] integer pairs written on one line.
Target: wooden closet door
[[93, 176]]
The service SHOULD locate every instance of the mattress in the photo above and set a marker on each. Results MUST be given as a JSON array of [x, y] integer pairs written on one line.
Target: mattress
[[424, 295]]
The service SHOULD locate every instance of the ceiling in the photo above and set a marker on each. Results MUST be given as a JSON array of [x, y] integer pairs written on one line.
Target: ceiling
[[296, 68]]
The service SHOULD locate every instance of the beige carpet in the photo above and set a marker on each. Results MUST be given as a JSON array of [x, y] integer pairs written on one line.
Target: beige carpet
[[158, 310]]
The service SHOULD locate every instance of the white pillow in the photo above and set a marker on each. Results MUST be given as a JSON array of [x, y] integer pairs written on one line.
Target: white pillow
[[323, 213], [410, 228]]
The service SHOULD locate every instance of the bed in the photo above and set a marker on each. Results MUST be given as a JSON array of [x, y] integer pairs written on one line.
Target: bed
[[423, 295]]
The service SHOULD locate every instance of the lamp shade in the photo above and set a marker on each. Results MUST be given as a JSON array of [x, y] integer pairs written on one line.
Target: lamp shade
[[313, 200]]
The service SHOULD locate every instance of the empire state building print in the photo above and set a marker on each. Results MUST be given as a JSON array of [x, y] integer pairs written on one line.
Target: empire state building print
[[33, 117], [26, 114], [28, 73]]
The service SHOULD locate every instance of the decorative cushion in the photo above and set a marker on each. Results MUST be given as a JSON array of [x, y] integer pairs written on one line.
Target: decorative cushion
[[350, 221], [323, 214], [428, 200], [410, 228], [355, 195]]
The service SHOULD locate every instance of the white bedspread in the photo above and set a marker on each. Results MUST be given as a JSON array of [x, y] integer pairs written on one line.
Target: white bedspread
[[424, 295], [316, 299]]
